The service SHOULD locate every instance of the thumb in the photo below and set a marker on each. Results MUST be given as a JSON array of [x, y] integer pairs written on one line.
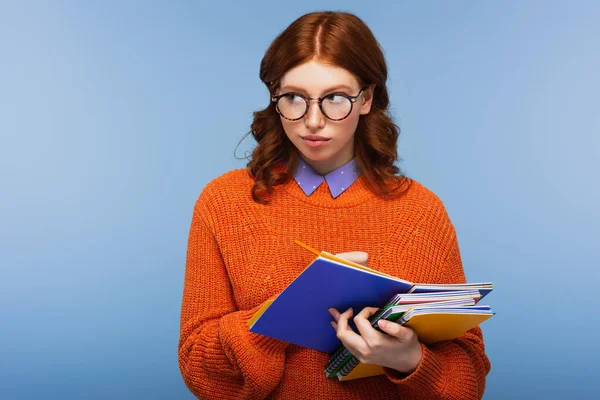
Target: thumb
[[359, 257], [392, 328]]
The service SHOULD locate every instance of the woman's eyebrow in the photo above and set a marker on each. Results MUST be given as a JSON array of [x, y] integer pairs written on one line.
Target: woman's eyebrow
[[329, 90]]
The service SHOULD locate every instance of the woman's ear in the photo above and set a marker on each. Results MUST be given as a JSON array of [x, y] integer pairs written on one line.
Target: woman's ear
[[367, 99]]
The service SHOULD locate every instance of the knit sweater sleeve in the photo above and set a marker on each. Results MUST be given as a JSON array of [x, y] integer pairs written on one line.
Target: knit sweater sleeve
[[453, 369], [218, 356]]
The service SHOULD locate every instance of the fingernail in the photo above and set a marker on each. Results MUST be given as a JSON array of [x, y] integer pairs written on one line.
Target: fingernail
[[382, 323]]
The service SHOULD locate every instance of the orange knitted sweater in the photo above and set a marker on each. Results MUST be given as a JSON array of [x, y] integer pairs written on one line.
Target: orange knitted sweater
[[241, 253]]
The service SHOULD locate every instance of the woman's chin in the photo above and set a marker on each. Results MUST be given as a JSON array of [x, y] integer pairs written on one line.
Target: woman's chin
[[313, 156]]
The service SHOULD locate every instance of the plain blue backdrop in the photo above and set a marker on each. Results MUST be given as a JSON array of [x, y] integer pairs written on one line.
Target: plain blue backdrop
[[115, 114]]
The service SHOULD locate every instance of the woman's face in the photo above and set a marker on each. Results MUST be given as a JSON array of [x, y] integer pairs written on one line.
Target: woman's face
[[334, 146]]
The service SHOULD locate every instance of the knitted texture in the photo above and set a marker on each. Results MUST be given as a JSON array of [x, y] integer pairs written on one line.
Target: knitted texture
[[241, 253]]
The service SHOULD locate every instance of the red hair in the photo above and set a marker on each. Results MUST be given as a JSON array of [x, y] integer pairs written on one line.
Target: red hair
[[343, 40]]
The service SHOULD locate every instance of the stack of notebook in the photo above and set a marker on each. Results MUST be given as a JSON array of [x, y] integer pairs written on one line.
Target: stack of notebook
[[299, 313], [434, 316]]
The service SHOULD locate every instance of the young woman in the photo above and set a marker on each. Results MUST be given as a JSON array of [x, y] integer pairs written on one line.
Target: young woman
[[323, 173]]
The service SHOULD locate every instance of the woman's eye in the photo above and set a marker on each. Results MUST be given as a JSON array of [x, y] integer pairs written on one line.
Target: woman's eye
[[334, 97], [292, 97]]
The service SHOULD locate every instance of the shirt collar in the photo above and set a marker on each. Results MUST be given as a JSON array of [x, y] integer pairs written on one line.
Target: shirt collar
[[338, 180]]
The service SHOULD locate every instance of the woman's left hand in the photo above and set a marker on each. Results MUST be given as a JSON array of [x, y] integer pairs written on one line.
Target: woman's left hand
[[399, 349]]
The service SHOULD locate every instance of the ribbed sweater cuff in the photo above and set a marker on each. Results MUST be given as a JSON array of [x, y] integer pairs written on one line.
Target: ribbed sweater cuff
[[260, 359], [426, 381]]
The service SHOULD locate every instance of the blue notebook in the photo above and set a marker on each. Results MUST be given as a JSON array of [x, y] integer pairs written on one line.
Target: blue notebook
[[299, 314]]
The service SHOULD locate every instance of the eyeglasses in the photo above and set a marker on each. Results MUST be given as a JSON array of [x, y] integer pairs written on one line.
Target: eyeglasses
[[335, 106]]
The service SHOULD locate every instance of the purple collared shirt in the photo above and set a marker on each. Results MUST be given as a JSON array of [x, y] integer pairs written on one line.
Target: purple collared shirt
[[339, 180]]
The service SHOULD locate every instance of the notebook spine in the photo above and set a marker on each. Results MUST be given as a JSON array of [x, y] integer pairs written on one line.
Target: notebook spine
[[347, 368], [331, 372]]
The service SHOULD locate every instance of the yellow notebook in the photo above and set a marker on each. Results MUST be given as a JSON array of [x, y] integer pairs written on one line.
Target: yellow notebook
[[432, 328], [363, 371]]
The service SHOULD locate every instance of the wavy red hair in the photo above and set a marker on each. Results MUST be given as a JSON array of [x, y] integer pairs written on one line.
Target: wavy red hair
[[343, 40]]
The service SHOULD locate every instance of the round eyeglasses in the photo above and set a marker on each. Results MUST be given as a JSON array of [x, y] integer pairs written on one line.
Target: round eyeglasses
[[335, 106]]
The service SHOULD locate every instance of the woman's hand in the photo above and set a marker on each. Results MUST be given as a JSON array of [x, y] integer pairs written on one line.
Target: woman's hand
[[398, 348]]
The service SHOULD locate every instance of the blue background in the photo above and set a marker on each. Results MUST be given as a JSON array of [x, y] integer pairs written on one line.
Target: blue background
[[115, 114]]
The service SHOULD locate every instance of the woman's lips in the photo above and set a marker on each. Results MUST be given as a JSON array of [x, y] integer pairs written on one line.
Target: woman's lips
[[315, 141]]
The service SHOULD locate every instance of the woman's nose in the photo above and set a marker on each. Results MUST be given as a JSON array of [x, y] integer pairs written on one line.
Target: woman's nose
[[314, 116]]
